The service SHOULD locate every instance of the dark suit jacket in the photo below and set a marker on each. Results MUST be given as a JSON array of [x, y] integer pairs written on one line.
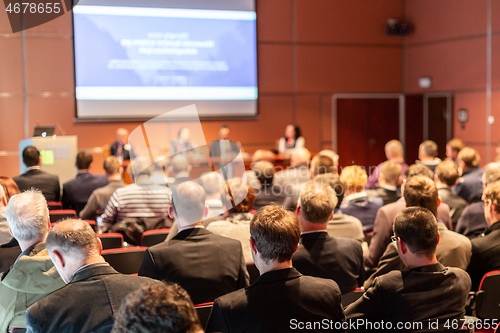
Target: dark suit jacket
[[364, 208], [427, 292], [86, 304], [217, 146], [472, 222], [274, 301], [339, 259], [9, 252], [114, 150], [453, 250], [382, 228], [388, 196], [485, 254], [456, 203], [268, 194], [205, 264], [47, 183], [76, 192], [470, 186]]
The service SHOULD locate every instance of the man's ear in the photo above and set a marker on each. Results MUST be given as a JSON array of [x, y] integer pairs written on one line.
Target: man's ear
[[100, 245], [10, 232], [57, 256], [297, 210], [439, 238], [331, 216], [439, 201], [296, 249], [189, 168], [205, 211], [252, 246], [171, 212], [402, 246], [48, 223]]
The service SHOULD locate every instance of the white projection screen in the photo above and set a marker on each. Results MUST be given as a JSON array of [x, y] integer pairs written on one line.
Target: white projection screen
[[137, 59]]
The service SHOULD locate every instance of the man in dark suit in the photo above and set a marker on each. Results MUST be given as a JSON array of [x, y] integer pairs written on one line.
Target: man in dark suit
[[427, 293], [9, 252], [469, 185], [76, 192], [93, 292], [382, 228], [473, 223], [121, 148], [427, 154], [223, 147], [268, 192], [388, 182], [281, 299], [452, 250], [205, 264], [319, 254], [445, 177], [35, 178], [486, 248]]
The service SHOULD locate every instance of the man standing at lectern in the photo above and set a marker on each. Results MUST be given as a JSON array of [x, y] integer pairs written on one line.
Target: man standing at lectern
[[47, 183], [121, 148]]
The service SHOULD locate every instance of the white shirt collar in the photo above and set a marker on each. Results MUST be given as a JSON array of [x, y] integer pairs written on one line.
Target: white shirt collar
[[354, 196], [190, 227], [34, 167]]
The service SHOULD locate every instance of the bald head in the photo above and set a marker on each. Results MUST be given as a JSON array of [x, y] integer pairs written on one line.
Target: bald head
[[122, 135], [180, 164], [188, 199], [212, 183], [264, 171], [393, 150], [263, 155], [300, 156]]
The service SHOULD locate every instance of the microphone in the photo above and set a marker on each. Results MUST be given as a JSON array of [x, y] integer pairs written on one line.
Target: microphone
[[59, 127]]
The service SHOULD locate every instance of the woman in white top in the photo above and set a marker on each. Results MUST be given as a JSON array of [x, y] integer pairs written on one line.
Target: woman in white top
[[291, 140]]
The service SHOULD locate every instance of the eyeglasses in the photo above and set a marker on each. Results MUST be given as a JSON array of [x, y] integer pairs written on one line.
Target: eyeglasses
[[394, 238]]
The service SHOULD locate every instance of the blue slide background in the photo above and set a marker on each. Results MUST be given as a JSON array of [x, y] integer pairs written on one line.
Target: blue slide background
[[97, 40]]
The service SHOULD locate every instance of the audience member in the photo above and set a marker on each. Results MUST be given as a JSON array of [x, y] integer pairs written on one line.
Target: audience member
[[291, 141], [341, 225], [258, 156], [121, 148], [140, 200], [205, 264], [453, 147], [267, 192], [93, 291], [446, 176], [298, 171], [388, 182], [100, 197], [183, 144], [76, 192], [428, 292], [319, 254], [452, 250], [35, 178], [213, 184], [472, 223], [9, 186], [486, 248], [237, 224], [427, 154], [280, 290], [9, 247], [180, 168], [4, 226], [157, 308], [394, 152], [382, 228], [334, 157], [32, 276], [356, 201], [469, 185]]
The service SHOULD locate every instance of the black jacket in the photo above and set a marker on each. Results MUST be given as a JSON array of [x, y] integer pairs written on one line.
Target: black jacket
[[457, 204], [388, 196], [76, 192], [47, 183]]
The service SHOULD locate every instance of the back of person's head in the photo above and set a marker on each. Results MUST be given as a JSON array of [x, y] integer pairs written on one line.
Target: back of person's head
[[322, 164], [330, 153], [391, 171], [417, 227], [180, 163], [334, 182], [74, 239], [212, 183], [418, 170], [83, 160], [263, 155], [157, 308], [393, 149], [31, 156], [456, 144], [469, 156], [447, 172], [9, 187], [317, 201], [140, 166], [354, 176], [492, 193], [111, 165], [264, 171], [420, 191], [188, 200], [28, 215], [275, 232], [239, 193], [429, 148], [300, 156], [491, 173]]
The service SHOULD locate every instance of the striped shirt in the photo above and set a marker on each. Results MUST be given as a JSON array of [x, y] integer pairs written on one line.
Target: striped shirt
[[134, 201]]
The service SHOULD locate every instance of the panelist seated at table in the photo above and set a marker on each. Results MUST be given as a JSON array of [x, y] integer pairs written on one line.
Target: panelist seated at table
[[292, 140]]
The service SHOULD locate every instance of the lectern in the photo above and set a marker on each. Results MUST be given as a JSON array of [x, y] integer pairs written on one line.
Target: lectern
[[58, 155]]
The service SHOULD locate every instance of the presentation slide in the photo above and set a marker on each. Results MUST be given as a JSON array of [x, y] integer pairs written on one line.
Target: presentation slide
[[139, 61]]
